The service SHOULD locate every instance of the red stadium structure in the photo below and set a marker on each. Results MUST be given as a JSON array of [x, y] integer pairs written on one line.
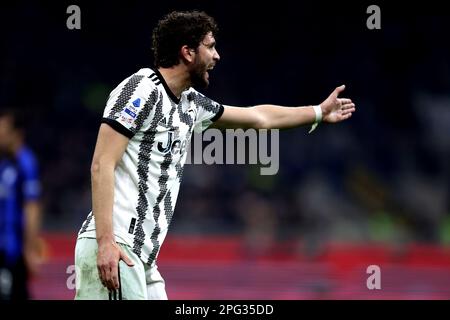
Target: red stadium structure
[[201, 267]]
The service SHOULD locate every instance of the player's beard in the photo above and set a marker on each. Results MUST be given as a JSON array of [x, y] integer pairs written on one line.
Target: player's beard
[[199, 77]]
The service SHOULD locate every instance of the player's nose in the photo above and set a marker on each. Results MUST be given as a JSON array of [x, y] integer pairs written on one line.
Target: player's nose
[[216, 56]]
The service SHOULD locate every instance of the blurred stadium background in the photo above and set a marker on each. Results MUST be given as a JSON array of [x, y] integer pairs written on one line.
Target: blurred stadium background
[[371, 191]]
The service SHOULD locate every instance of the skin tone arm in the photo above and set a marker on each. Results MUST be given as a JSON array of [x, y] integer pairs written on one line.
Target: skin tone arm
[[334, 110], [32, 210], [109, 150]]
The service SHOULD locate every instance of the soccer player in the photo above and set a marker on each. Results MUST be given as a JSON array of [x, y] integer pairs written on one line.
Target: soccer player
[[141, 149], [20, 211]]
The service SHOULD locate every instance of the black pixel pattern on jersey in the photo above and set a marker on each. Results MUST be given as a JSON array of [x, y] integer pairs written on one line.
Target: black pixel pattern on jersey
[[125, 96], [162, 181], [143, 163]]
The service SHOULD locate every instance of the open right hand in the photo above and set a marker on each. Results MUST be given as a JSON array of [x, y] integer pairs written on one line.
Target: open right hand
[[335, 109], [108, 257]]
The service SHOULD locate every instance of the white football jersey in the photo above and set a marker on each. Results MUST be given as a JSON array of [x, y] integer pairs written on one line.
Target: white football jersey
[[147, 179]]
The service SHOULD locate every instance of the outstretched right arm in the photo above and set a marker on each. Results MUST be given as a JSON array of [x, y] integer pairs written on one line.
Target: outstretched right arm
[[109, 149]]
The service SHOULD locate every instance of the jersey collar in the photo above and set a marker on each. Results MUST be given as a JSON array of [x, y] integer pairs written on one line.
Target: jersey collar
[[166, 87]]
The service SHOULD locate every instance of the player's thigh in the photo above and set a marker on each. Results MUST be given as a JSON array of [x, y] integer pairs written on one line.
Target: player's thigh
[[156, 286], [88, 283], [132, 279]]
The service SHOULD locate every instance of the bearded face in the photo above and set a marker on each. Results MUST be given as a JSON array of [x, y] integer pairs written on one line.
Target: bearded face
[[199, 74], [206, 57]]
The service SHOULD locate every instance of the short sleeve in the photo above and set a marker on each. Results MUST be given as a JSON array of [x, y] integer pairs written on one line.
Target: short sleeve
[[208, 111], [31, 186], [130, 104]]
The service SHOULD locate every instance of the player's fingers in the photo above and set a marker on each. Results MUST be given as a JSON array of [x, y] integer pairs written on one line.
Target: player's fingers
[[108, 278], [346, 116], [348, 106], [345, 101], [114, 277], [126, 259], [350, 110], [339, 89], [102, 275]]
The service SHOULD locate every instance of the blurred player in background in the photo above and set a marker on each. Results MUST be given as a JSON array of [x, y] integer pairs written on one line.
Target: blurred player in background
[[141, 149], [20, 211]]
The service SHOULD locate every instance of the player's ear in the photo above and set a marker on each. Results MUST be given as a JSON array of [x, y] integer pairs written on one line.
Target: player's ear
[[187, 53]]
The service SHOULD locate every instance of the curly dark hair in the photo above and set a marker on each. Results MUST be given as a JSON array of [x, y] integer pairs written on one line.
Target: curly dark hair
[[177, 29]]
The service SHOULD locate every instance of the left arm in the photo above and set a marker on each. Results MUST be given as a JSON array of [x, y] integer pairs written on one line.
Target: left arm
[[333, 110], [32, 211]]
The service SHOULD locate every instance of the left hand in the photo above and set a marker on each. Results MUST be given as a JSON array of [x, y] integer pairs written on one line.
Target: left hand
[[33, 258], [336, 109]]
